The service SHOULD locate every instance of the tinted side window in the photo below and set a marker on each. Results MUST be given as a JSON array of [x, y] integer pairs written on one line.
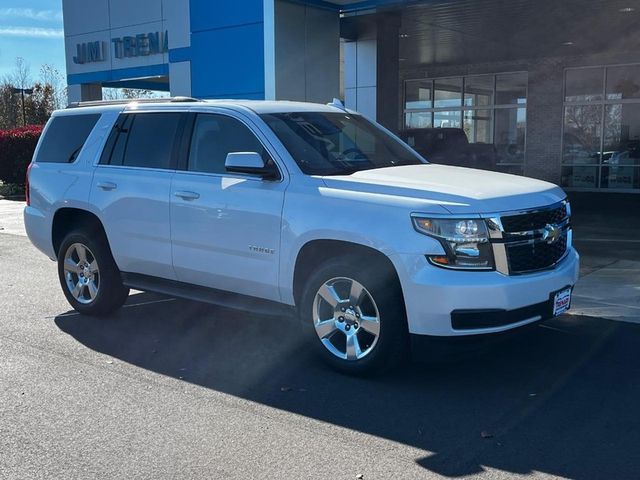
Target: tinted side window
[[150, 141], [65, 137], [113, 152], [143, 140], [214, 136]]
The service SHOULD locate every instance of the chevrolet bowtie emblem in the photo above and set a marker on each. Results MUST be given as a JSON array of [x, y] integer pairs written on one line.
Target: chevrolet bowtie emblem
[[551, 233]]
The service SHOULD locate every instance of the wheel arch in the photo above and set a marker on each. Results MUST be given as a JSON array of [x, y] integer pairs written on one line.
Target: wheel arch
[[314, 252], [67, 219]]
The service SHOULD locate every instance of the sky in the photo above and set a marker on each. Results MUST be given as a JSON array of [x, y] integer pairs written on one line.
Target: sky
[[31, 29]]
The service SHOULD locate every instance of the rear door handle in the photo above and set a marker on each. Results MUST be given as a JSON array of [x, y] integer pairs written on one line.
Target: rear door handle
[[107, 185], [185, 195]]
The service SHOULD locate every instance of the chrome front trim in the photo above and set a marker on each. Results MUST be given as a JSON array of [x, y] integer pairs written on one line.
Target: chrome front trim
[[501, 240], [500, 258], [465, 269], [530, 236], [496, 237]]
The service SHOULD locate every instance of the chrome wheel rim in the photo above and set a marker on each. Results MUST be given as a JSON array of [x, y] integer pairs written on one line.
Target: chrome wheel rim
[[346, 318], [81, 273]]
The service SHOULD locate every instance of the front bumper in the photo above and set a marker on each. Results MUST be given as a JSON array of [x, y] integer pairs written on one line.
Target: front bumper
[[501, 302]]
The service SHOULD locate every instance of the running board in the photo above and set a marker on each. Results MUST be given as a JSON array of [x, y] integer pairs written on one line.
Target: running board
[[213, 296]]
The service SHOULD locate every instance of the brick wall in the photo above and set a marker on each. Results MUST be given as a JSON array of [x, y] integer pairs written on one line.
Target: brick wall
[[544, 120]]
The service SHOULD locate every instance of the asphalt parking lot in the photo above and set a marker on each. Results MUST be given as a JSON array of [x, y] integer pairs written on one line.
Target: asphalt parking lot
[[168, 388]]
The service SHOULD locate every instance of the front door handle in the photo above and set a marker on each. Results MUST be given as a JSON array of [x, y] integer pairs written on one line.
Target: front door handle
[[185, 195], [107, 185]]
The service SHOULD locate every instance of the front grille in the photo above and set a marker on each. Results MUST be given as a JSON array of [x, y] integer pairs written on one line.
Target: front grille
[[535, 255], [534, 220], [533, 240]]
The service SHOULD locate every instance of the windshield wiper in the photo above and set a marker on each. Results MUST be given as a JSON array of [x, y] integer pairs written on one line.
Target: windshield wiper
[[406, 162], [349, 171]]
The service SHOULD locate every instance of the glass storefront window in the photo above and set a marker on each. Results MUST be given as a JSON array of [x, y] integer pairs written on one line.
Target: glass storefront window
[[447, 119], [622, 134], [620, 177], [478, 90], [488, 109], [584, 84], [418, 94], [623, 82], [582, 134], [418, 119], [447, 92], [580, 176], [510, 129], [601, 141], [511, 88], [478, 125]]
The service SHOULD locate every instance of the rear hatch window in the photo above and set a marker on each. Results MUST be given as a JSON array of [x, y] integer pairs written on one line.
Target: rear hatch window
[[65, 137]]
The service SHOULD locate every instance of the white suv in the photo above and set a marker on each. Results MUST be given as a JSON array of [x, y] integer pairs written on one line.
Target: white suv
[[298, 208]]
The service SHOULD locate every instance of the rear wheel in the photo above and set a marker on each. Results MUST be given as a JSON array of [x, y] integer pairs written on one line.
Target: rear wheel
[[357, 314], [88, 274]]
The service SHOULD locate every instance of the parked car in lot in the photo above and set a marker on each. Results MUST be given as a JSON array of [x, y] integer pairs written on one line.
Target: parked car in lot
[[450, 146], [287, 207]]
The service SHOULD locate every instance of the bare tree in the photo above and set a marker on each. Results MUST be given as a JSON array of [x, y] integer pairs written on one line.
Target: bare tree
[[50, 76], [112, 94], [130, 93], [21, 75], [33, 107], [9, 107]]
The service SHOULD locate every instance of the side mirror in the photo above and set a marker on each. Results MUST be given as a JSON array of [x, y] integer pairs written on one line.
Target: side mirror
[[251, 163]]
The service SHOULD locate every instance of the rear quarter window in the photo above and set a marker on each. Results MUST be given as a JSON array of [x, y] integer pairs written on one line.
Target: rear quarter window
[[65, 137]]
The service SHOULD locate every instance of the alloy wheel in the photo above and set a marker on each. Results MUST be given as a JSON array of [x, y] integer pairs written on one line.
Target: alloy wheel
[[346, 318], [81, 273]]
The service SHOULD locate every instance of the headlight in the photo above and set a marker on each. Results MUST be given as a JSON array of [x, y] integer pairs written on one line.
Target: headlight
[[465, 241]]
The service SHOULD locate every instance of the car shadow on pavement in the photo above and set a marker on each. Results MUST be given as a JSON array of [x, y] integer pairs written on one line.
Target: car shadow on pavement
[[560, 398]]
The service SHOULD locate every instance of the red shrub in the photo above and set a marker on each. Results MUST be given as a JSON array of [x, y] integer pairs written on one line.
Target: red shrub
[[16, 150]]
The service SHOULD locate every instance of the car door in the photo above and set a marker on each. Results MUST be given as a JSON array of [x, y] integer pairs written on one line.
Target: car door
[[132, 188], [225, 228]]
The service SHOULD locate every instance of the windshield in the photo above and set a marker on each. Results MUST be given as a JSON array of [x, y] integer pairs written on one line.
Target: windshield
[[325, 143]]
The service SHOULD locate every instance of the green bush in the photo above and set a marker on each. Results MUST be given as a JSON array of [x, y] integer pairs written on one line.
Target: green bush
[[16, 150], [11, 190]]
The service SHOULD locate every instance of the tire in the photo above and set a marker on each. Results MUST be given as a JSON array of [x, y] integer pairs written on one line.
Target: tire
[[381, 294], [88, 275]]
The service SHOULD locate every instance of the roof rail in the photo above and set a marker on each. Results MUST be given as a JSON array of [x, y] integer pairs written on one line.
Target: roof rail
[[126, 101]]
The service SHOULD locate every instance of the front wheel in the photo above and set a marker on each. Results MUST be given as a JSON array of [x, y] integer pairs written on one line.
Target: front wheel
[[357, 313], [88, 274]]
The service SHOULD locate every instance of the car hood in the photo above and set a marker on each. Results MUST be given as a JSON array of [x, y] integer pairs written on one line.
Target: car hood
[[458, 190]]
